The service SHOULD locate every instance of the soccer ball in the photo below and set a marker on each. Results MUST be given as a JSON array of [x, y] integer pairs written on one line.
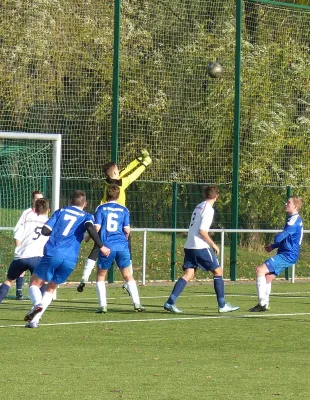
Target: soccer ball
[[215, 69]]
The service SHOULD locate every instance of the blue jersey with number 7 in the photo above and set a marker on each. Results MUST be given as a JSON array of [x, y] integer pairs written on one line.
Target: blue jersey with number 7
[[112, 218], [68, 228]]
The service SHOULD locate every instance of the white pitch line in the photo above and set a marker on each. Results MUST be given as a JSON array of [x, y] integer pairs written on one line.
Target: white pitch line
[[165, 319], [198, 295]]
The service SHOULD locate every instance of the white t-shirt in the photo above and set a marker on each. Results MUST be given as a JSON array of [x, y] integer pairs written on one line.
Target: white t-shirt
[[19, 227], [29, 233], [202, 218]]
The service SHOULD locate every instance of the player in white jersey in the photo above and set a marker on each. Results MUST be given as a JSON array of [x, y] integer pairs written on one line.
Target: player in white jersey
[[201, 251], [31, 244], [19, 234]]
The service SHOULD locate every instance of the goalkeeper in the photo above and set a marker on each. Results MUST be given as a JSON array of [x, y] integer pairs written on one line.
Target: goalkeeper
[[123, 179]]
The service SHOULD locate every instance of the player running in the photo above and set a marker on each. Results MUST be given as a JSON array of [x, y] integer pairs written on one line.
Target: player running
[[65, 229]]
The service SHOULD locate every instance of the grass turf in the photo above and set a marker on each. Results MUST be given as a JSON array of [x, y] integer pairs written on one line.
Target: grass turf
[[78, 354]]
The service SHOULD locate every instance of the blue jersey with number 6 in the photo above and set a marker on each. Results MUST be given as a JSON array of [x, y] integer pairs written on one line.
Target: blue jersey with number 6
[[68, 228], [112, 218]]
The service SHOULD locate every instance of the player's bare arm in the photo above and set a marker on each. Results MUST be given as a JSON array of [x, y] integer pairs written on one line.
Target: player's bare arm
[[206, 237]]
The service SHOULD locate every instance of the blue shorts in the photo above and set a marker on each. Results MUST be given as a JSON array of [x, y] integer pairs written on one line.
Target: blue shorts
[[278, 263], [54, 269], [122, 259], [202, 258], [21, 265]]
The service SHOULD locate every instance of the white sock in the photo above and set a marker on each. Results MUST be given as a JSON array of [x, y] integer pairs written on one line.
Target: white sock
[[35, 295], [46, 301], [268, 291], [130, 268], [132, 286], [261, 290], [101, 293], [88, 267]]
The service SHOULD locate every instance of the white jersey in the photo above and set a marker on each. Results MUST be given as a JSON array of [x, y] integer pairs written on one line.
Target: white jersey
[[202, 218], [29, 233], [19, 227]]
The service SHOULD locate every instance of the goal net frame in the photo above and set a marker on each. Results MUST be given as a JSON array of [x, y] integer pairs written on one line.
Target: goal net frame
[[56, 158]]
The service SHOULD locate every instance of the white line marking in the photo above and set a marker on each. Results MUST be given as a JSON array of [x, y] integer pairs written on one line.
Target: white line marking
[[166, 319]]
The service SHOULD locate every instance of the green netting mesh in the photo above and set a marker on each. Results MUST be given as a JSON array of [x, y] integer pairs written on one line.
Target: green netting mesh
[[275, 111], [25, 165], [56, 73]]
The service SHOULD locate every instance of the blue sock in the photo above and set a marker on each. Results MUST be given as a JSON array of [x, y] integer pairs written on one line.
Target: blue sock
[[19, 286], [219, 290], [177, 290], [42, 288], [4, 288]]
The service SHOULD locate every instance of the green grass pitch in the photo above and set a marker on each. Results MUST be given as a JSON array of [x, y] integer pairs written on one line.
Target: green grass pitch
[[200, 354]]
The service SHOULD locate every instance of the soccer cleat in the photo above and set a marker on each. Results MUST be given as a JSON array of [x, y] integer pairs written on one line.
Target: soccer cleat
[[172, 308], [31, 324], [125, 287], [102, 310], [139, 307], [19, 297], [29, 316], [259, 308], [80, 288], [228, 308]]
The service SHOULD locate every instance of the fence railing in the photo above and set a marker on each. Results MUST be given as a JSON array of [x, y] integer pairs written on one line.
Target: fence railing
[[222, 245]]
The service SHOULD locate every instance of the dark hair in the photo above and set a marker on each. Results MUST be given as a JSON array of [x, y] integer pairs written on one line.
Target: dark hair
[[113, 192], [36, 192], [41, 206], [107, 166], [78, 198], [210, 192]]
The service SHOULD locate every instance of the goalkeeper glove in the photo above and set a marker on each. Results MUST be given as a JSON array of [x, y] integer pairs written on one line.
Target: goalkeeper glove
[[144, 153], [147, 161]]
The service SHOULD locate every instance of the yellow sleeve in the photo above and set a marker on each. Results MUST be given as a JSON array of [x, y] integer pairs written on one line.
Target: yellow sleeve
[[127, 180], [129, 168]]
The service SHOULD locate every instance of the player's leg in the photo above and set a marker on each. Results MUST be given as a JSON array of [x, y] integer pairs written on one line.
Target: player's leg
[[19, 287], [219, 288], [14, 271], [262, 287], [189, 267], [4, 288], [269, 279], [45, 302], [43, 272], [125, 285], [104, 263], [57, 271], [88, 267], [123, 261]]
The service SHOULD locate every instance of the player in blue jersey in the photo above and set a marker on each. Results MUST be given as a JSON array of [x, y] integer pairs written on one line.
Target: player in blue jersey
[[113, 223], [66, 229], [201, 251], [288, 243]]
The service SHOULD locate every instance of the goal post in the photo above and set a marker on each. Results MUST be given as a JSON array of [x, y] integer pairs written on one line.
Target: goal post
[[56, 157]]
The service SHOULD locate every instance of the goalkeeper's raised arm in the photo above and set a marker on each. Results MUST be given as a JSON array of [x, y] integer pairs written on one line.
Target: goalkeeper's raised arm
[[123, 178]]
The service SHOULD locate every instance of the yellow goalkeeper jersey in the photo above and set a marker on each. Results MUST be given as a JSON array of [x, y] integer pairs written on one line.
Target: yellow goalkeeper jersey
[[127, 176]]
